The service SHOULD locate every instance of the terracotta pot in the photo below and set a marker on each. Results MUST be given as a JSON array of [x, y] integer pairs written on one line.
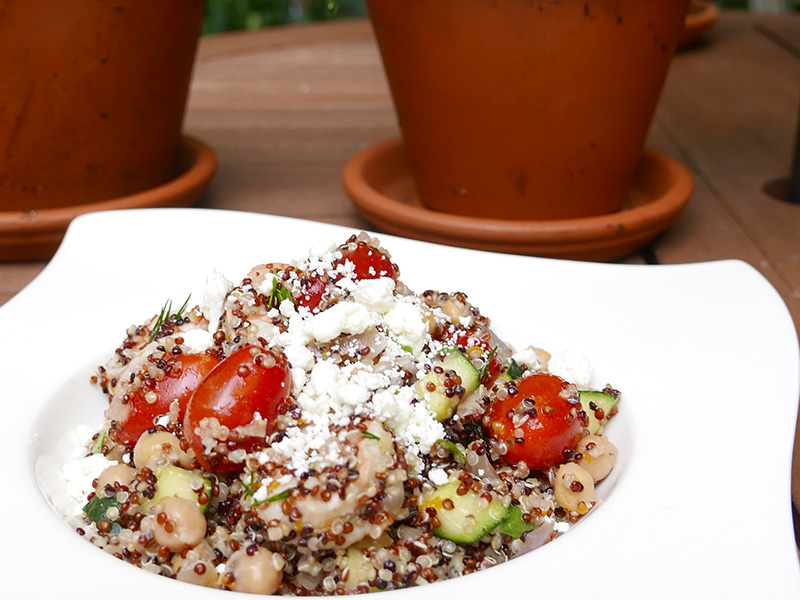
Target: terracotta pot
[[516, 109], [92, 97]]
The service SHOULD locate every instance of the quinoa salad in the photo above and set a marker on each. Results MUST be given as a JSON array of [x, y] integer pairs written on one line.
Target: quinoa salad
[[321, 429]]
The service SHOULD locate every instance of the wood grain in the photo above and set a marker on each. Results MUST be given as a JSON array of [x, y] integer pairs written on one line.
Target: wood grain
[[285, 108]]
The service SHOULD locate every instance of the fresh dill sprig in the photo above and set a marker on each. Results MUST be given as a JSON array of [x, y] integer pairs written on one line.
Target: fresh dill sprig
[[164, 316]]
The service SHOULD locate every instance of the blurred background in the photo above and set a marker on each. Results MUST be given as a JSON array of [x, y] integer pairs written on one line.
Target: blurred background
[[232, 15]]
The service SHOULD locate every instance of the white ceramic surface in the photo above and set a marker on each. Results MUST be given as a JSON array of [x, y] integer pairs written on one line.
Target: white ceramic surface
[[705, 355]]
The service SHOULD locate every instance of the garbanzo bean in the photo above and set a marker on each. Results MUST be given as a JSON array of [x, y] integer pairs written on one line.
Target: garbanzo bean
[[121, 474], [257, 573], [599, 456], [179, 523], [159, 449], [574, 488]]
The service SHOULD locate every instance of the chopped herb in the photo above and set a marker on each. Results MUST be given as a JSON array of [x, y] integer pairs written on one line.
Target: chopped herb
[[278, 497], [278, 295], [97, 508], [99, 442], [484, 372], [453, 449], [250, 488], [370, 436], [164, 316], [514, 370]]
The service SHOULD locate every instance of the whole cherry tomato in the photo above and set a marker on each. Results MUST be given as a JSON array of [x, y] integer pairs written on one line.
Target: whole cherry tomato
[[184, 374], [251, 380], [368, 262], [550, 423]]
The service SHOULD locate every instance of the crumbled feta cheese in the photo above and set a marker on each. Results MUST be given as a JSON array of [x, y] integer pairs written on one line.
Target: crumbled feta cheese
[[405, 322], [376, 294], [197, 339], [267, 286], [344, 317], [81, 472], [216, 290], [573, 367], [438, 476], [528, 358]]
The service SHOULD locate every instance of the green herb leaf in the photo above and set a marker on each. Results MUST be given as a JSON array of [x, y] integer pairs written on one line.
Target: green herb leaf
[[484, 372], [97, 445], [370, 436], [453, 449], [281, 496], [514, 525], [514, 370], [97, 508], [250, 488], [165, 315], [278, 295]]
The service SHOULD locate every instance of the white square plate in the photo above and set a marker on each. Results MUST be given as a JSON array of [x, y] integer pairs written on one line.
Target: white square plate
[[705, 355]]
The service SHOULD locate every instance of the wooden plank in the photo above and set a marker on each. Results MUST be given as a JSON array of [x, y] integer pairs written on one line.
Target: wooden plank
[[15, 276], [731, 109]]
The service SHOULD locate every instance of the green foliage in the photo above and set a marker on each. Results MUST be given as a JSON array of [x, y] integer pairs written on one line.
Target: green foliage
[[233, 15]]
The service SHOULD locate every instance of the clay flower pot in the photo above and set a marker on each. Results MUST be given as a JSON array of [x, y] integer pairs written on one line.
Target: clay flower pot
[[514, 109], [92, 97]]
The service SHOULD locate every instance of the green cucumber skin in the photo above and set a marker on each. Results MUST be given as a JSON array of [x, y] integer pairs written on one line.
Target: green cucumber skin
[[470, 377], [453, 522], [601, 400], [173, 481], [440, 404]]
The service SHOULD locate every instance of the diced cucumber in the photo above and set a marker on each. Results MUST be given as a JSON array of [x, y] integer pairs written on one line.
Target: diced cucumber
[[514, 525], [431, 388], [596, 404], [470, 517], [360, 569], [175, 482], [470, 377]]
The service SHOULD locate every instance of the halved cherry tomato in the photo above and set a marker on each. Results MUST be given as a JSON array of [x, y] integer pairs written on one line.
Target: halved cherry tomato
[[473, 346], [185, 374], [251, 380], [311, 292], [550, 424], [368, 262]]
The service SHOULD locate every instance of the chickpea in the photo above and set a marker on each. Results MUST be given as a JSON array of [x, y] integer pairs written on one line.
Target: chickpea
[[259, 573], [543, 356], [599, 456], [120, 474], [574, 488], [428, 318], [198, 572], [179, 523], [159, 449], [453, 310]]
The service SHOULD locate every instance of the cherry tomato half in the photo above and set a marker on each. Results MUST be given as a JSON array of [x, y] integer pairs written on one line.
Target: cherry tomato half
[[311, 292], [550, 424], [185, 374], [251, 380], [368, 262]]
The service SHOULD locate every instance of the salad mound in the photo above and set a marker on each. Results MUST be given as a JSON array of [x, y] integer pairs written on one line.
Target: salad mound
[[319, 429]]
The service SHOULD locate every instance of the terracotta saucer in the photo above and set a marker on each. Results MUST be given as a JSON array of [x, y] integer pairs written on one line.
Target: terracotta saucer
[[701, 16], [35, 235], [381, 187]]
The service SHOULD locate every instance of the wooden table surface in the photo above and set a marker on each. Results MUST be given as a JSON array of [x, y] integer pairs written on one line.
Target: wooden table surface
[[285, 108]]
